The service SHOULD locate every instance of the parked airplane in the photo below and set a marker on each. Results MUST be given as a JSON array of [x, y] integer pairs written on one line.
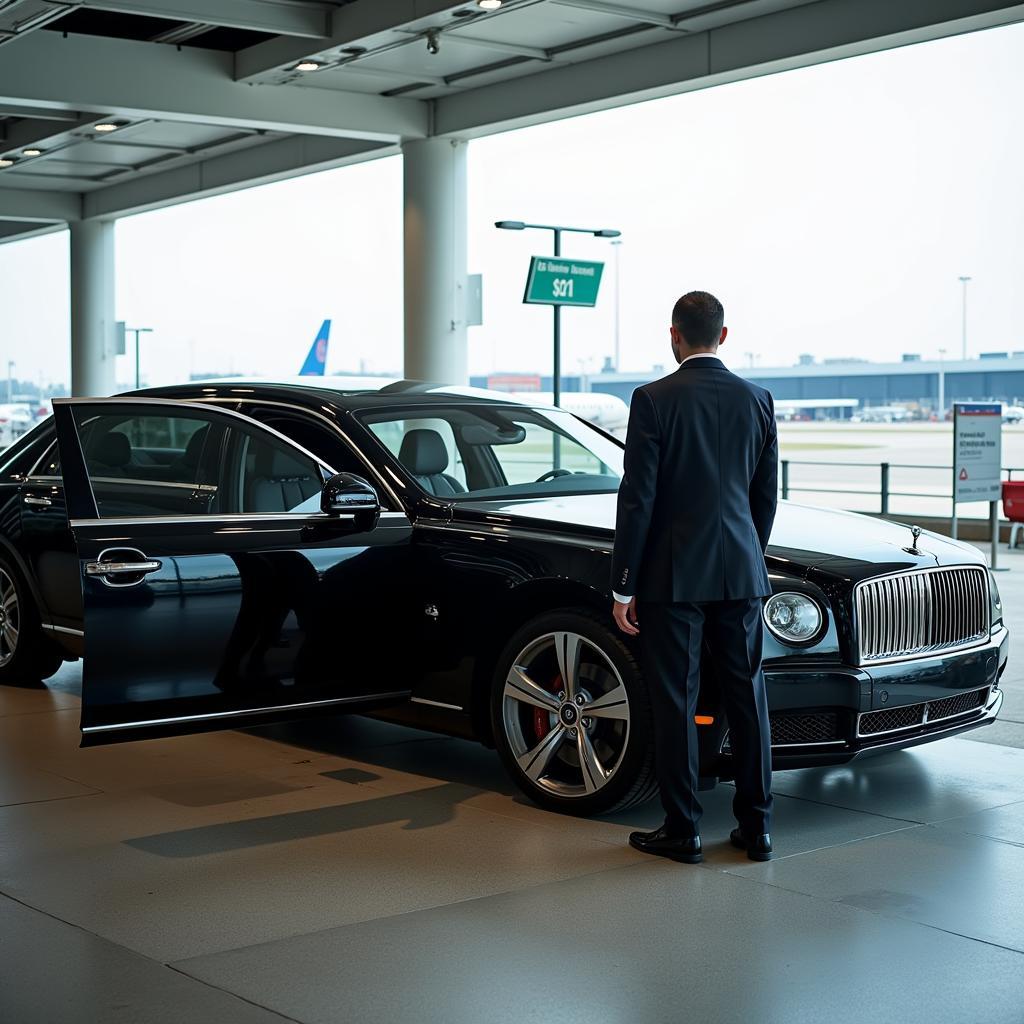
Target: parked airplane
[[609, 412], [1013, 413], [882, 414], [316, 360]]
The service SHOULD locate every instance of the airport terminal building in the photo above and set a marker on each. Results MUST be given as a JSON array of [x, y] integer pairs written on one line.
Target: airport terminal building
[[836, 388]]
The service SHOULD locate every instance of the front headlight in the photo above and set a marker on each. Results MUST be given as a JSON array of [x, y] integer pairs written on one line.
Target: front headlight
[[995, 599], [794, 618]]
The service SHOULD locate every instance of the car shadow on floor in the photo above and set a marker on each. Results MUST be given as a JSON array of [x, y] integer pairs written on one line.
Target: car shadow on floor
[[379, 809]]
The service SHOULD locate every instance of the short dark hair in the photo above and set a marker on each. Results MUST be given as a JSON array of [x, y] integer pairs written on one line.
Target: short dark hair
[[699, 318]]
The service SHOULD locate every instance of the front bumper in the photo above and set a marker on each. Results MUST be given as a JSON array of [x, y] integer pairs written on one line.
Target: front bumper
[[830, 714]]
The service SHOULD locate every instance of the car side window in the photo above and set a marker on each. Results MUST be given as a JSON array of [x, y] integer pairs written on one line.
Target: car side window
[[49, 464], [262, 473], [147, 463], [316, 437]]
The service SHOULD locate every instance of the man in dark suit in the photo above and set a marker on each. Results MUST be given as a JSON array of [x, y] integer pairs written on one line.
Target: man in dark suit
[[695, 511]]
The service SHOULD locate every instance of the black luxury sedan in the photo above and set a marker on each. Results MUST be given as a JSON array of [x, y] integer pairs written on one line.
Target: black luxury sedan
[[234, 553]]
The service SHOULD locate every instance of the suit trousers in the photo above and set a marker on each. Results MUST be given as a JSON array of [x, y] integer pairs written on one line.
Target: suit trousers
[[672, 637]]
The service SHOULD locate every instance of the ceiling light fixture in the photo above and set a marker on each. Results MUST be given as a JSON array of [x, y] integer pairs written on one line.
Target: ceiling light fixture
[[488, 5], [6, 161], [31, 152], [106, 126], [308, 65], [433, 41]]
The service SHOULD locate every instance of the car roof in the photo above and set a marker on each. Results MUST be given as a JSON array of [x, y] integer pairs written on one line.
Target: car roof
[[353, 393]]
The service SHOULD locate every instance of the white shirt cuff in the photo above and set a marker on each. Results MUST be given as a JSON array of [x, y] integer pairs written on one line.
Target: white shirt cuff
[[621, 599]]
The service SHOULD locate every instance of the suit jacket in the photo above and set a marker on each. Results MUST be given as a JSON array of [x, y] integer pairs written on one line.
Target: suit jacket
[[698, 498]]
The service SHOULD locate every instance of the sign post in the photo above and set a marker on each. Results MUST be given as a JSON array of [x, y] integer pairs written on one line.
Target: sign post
[[555, 282], [977, 460]]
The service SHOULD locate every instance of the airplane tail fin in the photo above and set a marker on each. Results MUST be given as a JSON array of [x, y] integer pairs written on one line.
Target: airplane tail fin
[[316, 360]]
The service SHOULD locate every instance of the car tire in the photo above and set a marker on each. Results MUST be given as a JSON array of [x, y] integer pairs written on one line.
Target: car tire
[[561, 757], [26, 653]]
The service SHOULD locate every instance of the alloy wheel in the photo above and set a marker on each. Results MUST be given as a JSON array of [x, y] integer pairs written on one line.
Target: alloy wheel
[[10, 618], [565, 712]]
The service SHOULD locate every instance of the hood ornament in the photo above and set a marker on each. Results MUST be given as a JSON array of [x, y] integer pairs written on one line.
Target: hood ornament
[[915, 532]]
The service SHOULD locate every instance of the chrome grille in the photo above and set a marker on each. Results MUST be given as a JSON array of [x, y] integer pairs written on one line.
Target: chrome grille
[[921, 612]]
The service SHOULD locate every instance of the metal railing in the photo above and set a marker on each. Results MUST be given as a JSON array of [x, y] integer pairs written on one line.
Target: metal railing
[[884, 490]]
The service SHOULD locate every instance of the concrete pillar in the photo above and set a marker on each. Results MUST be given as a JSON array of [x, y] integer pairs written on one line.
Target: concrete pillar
[[92, 308], [435, 260]]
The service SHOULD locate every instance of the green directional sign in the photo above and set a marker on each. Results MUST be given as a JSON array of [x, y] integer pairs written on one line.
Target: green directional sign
[[554, 281]]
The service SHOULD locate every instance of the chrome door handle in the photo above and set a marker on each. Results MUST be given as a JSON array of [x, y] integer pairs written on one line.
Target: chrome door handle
[[118, 562], [33, 499], [121, 568]]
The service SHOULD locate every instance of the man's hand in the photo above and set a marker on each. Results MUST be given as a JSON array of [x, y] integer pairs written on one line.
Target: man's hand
[[625, 617]]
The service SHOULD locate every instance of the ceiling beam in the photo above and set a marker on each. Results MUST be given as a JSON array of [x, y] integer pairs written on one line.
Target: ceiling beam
[[797, 37], [23, 204], [289, 18], [621, 11], [130, 79], [349, 25], [21, 133], [13, 231], [259, 165]]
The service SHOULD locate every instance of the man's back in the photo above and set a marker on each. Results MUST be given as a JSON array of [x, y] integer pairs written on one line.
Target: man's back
[[698, 498]]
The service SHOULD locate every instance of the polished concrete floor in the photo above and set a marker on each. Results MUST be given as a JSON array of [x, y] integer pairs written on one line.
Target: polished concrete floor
[[351, 871]]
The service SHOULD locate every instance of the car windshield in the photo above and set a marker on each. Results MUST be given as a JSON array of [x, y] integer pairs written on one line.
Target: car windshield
[[498, 451]]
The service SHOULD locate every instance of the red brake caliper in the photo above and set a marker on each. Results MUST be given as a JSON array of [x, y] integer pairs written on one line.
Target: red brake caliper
[[541, 718]]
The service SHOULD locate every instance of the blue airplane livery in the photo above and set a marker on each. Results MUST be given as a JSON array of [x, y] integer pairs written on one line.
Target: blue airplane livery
[[316, 361]]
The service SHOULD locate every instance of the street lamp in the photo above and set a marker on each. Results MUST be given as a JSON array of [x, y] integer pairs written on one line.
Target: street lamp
[[557, 230], [617, 246], [942, 385], [964, 281]]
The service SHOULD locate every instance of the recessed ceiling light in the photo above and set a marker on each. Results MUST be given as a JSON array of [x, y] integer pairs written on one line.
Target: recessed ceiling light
[[106, 126], [308, 65], [6, 161], [488, 5], [31, 152]]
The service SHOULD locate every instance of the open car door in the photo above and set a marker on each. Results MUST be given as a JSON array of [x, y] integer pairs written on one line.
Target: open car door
[[228, 577]]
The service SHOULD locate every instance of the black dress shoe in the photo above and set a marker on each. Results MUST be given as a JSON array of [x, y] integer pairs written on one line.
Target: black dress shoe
[[662, 843], [758, 847]]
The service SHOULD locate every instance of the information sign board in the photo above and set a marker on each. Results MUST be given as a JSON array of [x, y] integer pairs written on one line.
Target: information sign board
[[977, 451], [554, 281]]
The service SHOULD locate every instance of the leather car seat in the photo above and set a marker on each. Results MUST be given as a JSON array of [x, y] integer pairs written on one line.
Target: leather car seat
[[280, 483], [110, 456], [425, 456], [187, 465]]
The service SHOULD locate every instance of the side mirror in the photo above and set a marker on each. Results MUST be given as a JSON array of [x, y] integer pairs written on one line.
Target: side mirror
[[348, 494]]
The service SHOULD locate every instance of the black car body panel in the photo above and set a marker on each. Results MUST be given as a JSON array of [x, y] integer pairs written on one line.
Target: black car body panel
[[411, 616]]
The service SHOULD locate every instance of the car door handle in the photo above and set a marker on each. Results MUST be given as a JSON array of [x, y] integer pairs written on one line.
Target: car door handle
[[118, 574], [122, 568], [41, 501]]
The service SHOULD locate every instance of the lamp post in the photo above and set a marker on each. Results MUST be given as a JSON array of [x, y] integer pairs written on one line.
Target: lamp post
[[963, 319], [10, 381], [617, 246], [557, 231], [942, 385], [137, 331]]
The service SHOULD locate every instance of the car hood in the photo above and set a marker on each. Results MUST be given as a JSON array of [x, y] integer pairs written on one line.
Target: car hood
[[841, 544]]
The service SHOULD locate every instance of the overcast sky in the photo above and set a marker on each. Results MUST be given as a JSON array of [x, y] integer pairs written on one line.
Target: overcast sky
[[831, 209]]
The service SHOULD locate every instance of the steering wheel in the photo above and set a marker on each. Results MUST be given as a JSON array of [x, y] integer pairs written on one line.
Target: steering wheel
[[552, 474]]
